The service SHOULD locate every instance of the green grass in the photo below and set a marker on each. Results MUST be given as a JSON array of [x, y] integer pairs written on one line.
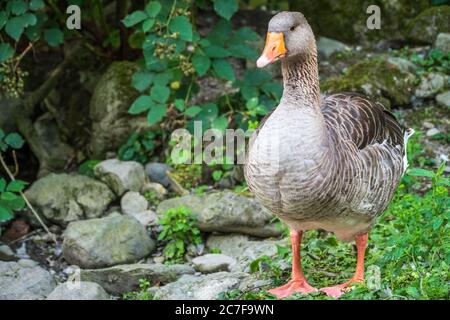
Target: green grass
[[409, 247]]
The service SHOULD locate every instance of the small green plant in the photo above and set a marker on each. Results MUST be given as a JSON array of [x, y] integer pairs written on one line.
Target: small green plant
[[138, 147], [151, 197], [215, 250], [179, 230], [10, 197], [142, 294], [87, 168], [434, 61]]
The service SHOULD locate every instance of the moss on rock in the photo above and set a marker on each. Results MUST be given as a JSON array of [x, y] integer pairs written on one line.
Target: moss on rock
[[376, 78], [427, 25]]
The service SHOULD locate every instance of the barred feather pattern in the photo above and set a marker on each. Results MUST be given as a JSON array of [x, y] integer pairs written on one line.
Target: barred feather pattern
[[330, 165]]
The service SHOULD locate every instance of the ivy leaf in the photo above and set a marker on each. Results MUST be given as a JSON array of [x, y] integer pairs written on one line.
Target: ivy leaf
[[141, 80], [36, 4], [18, 7], [14, 140], [192, 111], [134, 18], [226, 8], [5, 214], [54, 37], [201, 63], [181, 25], [156, 114], [14, 28], [223, 69], [6, 51], [141, 104], [160, 93], [153, 8]]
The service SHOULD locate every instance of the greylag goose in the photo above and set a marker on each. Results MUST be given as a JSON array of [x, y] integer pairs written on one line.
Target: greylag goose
[[331, 163]]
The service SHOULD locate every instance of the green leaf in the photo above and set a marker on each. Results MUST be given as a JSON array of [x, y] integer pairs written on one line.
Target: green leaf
[[163, 78], [3, 19], [18, 7], [181, 25], [2, 184], [160, 93], [148, 24], [226, 8], [156, 114], [192, 111], [418, 172], [153, 8], [437, 222], [8, 196], [220, 123], [6, 51], [214, 51], [223, 69], [179, 104], [141, 104], [242, 51], [36, 4], [16, 186], [28, 19], [201, 63], [220, 33], [141, 80], [5, 214], [14, 28], [54, 37], [134, 18], [33, 33], [14, 140]]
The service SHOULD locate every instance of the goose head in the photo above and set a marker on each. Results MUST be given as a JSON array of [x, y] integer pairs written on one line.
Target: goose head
[[289, 35]]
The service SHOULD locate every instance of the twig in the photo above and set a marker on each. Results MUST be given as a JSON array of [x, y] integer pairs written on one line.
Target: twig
[[30, 46], [52, 236], [16, 163]]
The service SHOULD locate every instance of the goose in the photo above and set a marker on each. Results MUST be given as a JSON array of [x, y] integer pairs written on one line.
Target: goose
[[331, 163]]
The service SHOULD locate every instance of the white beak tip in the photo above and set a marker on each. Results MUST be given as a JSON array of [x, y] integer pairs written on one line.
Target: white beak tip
[[262, 62]]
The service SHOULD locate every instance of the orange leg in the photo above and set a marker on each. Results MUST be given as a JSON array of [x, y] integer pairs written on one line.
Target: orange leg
[[298, 282], [337, 291]]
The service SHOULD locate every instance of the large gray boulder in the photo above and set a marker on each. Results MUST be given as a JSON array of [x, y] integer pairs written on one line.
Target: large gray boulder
[[112, 125], [24, 281], [443, 42], [429, 23], [443, 99], [78, 291], [430, 84], [203, 287], [63, 198], [213, 262], [125, 278], [121, 176], [225, 211], [104, 242]]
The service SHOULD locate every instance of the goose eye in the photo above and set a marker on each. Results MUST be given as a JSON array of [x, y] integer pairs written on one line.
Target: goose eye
[[292, 28]]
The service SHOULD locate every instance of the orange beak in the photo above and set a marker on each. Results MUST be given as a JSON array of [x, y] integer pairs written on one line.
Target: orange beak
[[273, 50]]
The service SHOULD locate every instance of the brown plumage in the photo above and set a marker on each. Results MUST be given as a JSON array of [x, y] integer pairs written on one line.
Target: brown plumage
[[330, 164]]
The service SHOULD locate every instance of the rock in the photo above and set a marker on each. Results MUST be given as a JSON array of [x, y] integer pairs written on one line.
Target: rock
[[225, 211], [156, 189], [326, 47], [432, 132], [63, 198], [430, 84], [52, 152], [132, 202], [24, 283], [157, 172], [27, 263], [403, 64], [6, 254], [203, 287], [121, 176], [427, 25], [213, 262], [376, 78], [443, 42], [428, 125], [78, 291], [104, 242], [443, 99], [112, 125], [242, 249], [125, 278]]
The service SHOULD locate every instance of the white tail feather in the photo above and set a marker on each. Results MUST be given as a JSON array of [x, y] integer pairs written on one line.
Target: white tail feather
[[408, 133]]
